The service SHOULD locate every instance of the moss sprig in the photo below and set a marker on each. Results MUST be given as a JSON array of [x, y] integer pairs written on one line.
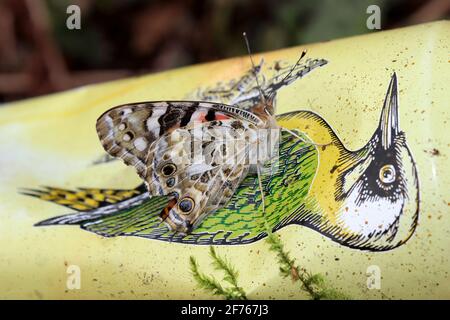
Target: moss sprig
[[313, 284], [209, 283]]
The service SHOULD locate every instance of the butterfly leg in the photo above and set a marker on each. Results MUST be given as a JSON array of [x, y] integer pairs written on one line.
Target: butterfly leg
[[258, 170]]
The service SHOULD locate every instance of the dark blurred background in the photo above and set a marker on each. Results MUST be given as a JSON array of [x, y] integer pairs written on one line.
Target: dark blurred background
[[39, 54]]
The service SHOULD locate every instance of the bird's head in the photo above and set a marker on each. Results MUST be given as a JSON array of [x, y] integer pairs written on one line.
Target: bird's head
[[379, 191]]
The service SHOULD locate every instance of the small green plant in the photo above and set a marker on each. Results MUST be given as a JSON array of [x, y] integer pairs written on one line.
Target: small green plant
[[232, 292], [313, 284]]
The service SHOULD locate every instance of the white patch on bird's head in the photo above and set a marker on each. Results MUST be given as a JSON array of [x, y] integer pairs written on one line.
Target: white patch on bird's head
[[369, 217]]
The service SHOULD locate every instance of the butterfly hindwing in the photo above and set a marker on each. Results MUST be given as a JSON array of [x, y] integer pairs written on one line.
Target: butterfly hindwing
[[200, 168]]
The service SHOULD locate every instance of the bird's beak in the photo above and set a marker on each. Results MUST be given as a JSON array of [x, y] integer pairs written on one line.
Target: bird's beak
[[389, 116]]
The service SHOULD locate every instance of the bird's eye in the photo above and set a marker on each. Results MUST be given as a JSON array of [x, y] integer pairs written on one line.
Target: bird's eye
[[186, 205], [387, 174]]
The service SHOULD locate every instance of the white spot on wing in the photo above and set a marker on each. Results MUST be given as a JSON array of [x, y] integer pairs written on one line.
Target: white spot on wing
[[140, 144], [152, 122], [161, 104]]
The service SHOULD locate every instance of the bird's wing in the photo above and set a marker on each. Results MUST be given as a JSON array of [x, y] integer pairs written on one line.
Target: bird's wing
[[83, 199]]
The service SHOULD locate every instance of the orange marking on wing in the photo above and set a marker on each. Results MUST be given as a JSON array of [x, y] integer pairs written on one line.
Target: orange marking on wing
[[220, 116], [201, 117], [165, 212]]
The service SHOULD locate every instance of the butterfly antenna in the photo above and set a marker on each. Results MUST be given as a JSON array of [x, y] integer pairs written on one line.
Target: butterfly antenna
[[253, 66], [284, 79], [293, 68]]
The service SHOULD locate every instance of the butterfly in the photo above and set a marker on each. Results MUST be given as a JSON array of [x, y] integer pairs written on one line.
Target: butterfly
[[194, 152]]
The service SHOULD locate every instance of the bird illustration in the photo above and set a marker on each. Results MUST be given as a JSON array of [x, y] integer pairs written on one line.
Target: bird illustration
[[366, 199]]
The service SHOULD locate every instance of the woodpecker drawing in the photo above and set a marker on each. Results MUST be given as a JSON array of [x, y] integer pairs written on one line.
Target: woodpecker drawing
[[366, 199]]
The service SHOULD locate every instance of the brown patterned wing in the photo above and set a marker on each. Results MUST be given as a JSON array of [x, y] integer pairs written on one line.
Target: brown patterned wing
[[200, 169]]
